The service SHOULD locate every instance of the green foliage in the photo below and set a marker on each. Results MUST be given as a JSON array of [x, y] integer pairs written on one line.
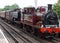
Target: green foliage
[[1, 9], [54, 8], [58, 9], [14, 6], [8, 7]]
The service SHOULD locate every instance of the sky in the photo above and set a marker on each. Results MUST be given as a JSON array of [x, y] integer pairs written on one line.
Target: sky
[[26, 3]]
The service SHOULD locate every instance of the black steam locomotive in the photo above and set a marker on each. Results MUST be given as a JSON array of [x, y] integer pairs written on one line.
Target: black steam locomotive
[[31, 20]]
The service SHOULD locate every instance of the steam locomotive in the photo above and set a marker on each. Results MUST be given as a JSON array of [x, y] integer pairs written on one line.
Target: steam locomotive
[[39, 22]]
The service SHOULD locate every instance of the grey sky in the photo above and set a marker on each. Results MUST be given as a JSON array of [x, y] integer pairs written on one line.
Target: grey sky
[[24, 3]]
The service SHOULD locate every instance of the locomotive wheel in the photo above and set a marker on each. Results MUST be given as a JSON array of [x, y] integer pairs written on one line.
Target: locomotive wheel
[[36, 32], [21, 25], [28, 29], [49, 36], [58, 35], [32, 30], [25, 27], [9, 22]]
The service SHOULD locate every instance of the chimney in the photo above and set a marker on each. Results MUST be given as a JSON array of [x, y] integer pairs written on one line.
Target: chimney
[[49, 6]]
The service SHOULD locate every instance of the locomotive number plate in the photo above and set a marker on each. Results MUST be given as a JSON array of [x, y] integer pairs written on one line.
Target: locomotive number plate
[[49, 26]]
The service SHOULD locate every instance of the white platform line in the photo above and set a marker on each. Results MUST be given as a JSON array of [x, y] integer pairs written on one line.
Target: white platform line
[[4, 36]]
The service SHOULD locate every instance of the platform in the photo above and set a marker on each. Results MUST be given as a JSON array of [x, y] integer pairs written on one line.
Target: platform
[[2, 37]]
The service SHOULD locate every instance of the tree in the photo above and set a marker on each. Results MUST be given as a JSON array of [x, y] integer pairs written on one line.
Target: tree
[[9, 7], [14, 6], [56, 8], [1, 9]]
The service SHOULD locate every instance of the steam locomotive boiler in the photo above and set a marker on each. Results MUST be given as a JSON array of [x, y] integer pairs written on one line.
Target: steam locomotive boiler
[[50, 23]]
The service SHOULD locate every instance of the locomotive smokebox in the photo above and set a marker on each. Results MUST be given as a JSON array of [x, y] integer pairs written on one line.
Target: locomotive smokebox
[[49, 6]]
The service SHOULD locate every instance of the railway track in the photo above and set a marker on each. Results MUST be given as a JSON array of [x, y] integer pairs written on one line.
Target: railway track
[[28, 39], [8, 36], [15, 35], [55, 40]]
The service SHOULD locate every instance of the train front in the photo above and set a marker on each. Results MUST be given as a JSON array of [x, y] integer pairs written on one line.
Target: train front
[[50, 23]]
